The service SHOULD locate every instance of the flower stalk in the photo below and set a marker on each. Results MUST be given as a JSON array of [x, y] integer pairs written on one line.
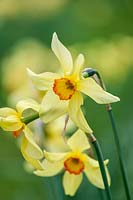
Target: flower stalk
[[101, 164], [122, 164], [99, 80], [30, 118]]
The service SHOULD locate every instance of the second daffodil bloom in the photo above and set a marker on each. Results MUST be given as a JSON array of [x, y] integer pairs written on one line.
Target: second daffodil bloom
[[64, 89], [12, 120], [74, 162]]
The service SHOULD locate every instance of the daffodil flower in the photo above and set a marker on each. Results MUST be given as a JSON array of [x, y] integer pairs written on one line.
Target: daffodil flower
[[11, 119], [64, 90], [74, 162]]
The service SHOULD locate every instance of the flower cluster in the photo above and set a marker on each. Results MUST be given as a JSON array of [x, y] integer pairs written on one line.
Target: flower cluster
[[63, 96]]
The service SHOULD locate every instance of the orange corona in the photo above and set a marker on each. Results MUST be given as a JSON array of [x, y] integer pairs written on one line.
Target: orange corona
[[64, 88], [74, 165], [18, 132]]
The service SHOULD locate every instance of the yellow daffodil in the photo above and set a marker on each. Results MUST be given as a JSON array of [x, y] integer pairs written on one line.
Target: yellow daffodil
[[11, 120], [64, 90], [74, 163]]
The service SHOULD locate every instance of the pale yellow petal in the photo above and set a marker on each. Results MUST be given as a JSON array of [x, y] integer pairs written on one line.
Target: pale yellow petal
[[34, 162], [9, 119], [93, 173], [63, 55], [5, 112], [89, 87], [26, 104], [11, 123], [76, 114], [52, 107], [50, 169], [71, 183], [78, 141], [31, 148], [94, 162], [78, 65], [52, 157], [43, 81]]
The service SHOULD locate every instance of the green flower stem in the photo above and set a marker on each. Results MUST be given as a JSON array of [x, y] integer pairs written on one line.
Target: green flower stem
[[119, 150], [99, 80], [30, 118], [117, 142], [101, 164]]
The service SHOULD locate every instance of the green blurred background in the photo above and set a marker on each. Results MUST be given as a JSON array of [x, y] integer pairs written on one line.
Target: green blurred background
[[102, 30]]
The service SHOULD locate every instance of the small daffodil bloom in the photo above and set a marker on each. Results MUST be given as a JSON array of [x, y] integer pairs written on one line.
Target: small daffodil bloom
[[74, 162], [64, 90], [11, 119]]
